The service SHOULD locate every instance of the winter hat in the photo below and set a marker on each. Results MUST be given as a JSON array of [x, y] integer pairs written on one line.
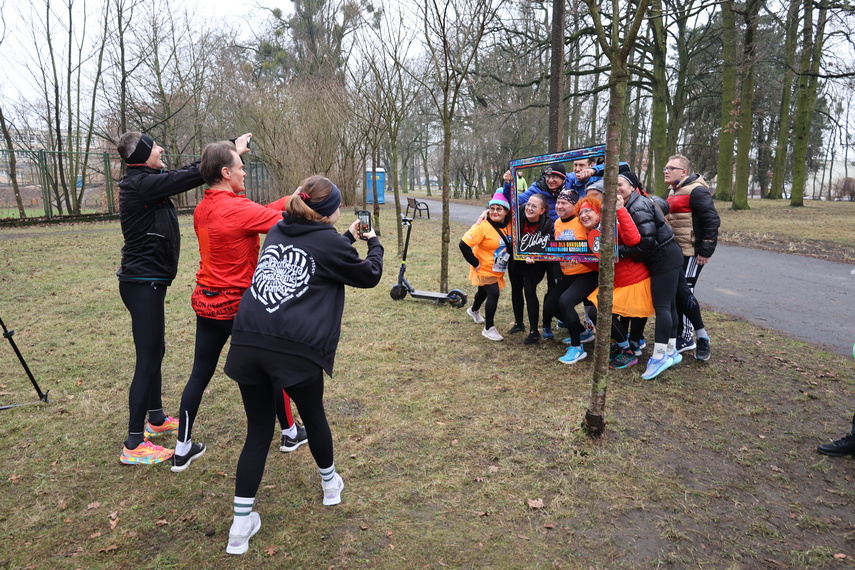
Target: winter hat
[[558, 169], [568, 196], [500, 200], [596, 185], [631, 178]]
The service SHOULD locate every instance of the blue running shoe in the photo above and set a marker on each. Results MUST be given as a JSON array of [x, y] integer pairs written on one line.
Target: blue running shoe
[[587, 336], [547, 332], [655, 366], [677, 358], [574, 354]]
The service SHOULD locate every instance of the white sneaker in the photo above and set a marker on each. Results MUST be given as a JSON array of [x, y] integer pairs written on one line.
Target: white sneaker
[[239, 543], [476, 315], [332, 490], [492, 333]]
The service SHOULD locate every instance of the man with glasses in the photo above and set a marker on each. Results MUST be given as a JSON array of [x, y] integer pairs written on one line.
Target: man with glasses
[[695, 221]]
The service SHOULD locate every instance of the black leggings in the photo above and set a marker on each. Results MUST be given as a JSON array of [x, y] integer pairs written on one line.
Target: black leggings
[[569, 292], [619, 332], [211, 337], [488, 295], [524, 282], [145, 302], [260, 418], [663, 289], [635, 326]]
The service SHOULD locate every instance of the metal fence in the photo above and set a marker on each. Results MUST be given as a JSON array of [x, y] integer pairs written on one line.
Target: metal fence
[[53, 185]]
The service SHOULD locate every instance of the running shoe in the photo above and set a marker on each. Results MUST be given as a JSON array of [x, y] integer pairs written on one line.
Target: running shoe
[[573, 354], [515, 329], [676, 358], [625, 359], [332, 490], [476, 315], [587, 336], [182, 462], [239, 543], [839, 448], [637, 347], [287, 444], [168, 427], [145, 453], [684, 344], [702, 352], [532, 337], [492, 333], [547, 332], [655, 366]]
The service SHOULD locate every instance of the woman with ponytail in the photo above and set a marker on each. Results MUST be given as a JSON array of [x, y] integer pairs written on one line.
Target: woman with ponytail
[[286, 333]]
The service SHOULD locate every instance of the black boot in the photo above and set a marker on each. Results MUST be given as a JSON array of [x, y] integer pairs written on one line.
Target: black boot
[[839, 448]]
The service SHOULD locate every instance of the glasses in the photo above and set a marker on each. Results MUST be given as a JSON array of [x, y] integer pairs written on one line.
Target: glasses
[[587, 211], [670, 168]]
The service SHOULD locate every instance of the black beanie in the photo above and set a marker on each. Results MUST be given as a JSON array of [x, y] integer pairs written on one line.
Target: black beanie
[[556, 168]]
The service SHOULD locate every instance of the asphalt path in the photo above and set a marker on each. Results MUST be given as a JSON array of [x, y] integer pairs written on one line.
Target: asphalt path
[[809, 299]]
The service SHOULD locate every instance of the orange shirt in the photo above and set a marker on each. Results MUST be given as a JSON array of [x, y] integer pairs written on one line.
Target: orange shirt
[[571, 229]]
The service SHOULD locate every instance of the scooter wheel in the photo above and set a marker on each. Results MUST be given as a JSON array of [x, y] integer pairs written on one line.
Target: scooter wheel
[[398, 292], [457, 298]]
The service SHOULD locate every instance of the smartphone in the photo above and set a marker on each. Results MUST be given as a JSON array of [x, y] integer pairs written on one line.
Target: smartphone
[[364, 222]]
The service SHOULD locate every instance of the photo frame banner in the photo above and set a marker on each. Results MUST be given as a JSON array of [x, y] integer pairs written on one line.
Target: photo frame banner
[[547, 247]]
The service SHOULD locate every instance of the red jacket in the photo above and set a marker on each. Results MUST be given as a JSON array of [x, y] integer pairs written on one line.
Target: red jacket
[[228, 226], [627, 270]]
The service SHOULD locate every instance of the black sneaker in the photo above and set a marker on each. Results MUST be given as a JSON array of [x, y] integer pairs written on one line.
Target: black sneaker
[[702, 352], [287, 444], [515, 329], [839, 448], [684, 344], [181, 462], [532, 337]]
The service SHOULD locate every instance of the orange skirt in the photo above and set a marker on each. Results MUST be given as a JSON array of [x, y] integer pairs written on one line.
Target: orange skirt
[[479, 279], [631, 301]]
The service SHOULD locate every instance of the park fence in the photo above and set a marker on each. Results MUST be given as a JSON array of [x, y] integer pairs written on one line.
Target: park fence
[[53, 185]]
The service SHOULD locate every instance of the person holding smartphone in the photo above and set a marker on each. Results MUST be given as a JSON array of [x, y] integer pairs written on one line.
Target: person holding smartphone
[[286, 333]]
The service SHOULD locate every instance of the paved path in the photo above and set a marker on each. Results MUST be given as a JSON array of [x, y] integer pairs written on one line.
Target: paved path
[[810, 299]]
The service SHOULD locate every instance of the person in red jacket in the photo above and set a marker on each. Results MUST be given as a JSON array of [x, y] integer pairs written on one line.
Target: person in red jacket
[[227, 225], [631, 297]]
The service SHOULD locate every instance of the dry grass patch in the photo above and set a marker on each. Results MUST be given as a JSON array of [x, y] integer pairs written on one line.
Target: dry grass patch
[[456, 451]]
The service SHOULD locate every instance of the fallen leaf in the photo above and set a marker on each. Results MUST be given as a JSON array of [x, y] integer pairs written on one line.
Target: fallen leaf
[[108, 549], [391, 547], [15, 478], [114, 523], [389, 534], [493, 468], [270, 550], [93, 505], [95, 535], [363, 527], [535, 503], [62, 504], [53, 464], [762, 436], [522, 536], [440, 423], [162, 522], [549, 526], [79, 383], [483, 514], [453, 442], [479, 479], [840, 556]]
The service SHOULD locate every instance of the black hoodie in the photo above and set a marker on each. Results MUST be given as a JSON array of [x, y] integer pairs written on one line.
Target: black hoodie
[[295, 303]]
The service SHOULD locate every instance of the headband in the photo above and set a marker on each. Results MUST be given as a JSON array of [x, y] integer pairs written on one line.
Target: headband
[[142, 152], [328, 206]]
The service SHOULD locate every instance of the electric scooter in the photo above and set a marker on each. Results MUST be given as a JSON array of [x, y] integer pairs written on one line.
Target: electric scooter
[[456, 298]]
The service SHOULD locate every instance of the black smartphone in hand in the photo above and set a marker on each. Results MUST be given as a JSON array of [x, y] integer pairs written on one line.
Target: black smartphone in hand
[[364, 222]]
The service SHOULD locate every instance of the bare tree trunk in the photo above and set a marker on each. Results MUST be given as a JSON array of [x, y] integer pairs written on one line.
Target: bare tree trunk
[[780, 164], [13, 166], [659, 105], [556, 78], [724, 171], [746, 109]]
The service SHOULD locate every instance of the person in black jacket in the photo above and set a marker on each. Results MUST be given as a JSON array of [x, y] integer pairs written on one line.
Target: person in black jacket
[[149, 264], [658, 250], [695, 222], [286, 333]]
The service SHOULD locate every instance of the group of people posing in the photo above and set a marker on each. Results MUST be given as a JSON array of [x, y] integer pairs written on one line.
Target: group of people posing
[[662, 246], [282, 310]]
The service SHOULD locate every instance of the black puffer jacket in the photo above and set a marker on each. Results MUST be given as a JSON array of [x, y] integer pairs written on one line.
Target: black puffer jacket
[[655, 231], [149, 221]]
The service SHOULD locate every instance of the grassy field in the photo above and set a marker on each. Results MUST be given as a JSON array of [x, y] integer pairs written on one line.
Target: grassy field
[[456, 451]]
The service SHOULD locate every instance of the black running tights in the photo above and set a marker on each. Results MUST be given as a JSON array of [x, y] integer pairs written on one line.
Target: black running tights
[[145, 302], [260, 417], [488, 295]]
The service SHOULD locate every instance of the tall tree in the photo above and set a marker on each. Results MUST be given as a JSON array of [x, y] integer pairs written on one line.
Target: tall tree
[[556, 78], [780, 161], [746, 107], [452, 36], [724, 171], [616, 41], [813, 39]]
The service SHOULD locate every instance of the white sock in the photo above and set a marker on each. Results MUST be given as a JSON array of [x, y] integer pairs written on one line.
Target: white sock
[[182, 447], [327, 475], [659, 349], [241, 523], [291, 431], [672, 345], [702, 333]]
